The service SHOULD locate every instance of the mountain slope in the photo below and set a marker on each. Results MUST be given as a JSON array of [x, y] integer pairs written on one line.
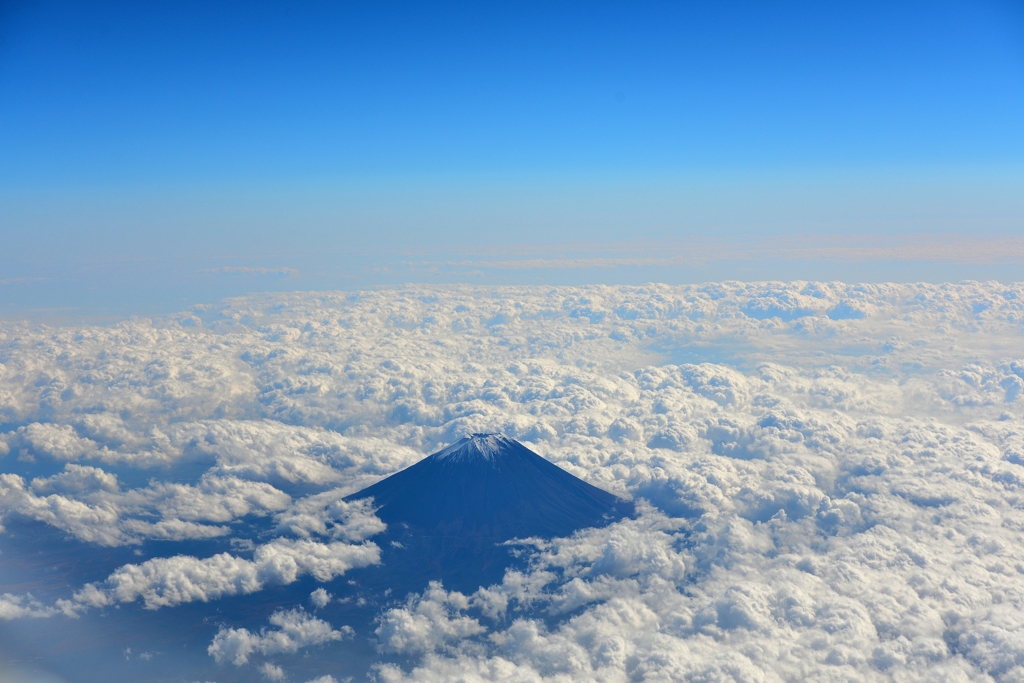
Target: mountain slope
[[448, 514]]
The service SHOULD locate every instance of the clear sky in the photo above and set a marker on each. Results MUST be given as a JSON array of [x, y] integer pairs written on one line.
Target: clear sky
[[234, 147]]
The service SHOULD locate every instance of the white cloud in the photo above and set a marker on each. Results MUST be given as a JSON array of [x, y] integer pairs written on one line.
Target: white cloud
[[326, 514], [295, 630], [86, 502], [426, 623], [272, 672], [169, 581], [60, 442], [320, 598], [19, 606], [214, 499], [835, 470], [93, 523], [77, 480]]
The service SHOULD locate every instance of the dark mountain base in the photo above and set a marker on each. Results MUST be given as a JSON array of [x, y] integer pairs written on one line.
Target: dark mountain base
[[449, 514]]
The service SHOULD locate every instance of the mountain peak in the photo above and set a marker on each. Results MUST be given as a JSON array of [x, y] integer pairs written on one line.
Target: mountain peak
[[448, 514], [480, 445]]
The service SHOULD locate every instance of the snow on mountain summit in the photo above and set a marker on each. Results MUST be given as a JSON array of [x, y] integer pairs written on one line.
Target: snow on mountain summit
[[482, 445]]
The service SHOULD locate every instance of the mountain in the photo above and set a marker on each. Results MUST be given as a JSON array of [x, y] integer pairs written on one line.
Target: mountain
[[448, 514]]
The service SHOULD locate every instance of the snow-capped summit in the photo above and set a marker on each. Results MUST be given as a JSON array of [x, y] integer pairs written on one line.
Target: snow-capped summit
[[481, 445], [448, 514]]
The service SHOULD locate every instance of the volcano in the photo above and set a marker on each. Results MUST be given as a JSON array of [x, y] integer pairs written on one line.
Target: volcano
[[449, 514]]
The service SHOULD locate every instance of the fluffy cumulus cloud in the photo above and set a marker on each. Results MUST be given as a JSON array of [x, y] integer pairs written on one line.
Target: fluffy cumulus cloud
[[86, 502], [831, 476], [170, 581], [20, 606], [327, 514], [320, 598], [427, 622], [295, 629]]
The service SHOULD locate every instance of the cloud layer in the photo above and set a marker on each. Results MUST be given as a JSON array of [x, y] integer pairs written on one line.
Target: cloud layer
[[831, 475]]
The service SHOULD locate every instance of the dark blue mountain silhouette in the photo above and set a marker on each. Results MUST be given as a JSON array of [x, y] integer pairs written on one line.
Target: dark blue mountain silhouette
[[448, 514]]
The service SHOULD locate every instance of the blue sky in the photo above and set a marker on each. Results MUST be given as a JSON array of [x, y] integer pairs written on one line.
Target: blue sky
[[264, 136]]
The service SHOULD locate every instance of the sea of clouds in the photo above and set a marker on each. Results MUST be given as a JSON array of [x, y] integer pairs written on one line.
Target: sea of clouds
[[830, 476]]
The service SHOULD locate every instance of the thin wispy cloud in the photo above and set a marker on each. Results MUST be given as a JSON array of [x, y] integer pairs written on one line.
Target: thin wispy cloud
[[953, 249], [251, 270], [21, 280]]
